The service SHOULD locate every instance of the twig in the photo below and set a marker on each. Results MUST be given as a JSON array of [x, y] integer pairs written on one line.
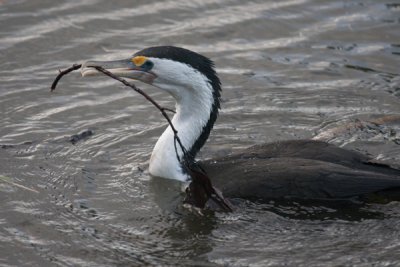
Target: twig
[[197, 173], [62, 73], [161, 109], [170, 110], [8, 180]]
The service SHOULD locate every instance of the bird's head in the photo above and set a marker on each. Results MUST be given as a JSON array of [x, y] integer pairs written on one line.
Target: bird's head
[[191, 79], [166, 67]]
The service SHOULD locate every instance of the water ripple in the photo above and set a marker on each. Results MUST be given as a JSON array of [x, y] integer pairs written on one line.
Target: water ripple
[[290, 69]]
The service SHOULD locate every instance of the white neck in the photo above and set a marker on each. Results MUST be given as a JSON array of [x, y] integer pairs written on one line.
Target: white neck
[[193, 108]]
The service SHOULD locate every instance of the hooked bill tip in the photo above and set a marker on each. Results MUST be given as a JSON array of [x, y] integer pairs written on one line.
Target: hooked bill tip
[[87, 71]]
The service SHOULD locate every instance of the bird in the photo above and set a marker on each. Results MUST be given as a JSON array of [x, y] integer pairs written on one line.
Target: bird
[[292, 169]]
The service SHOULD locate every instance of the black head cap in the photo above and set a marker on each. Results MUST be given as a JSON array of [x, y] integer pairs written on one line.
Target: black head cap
[[205, 66], [193, 59]]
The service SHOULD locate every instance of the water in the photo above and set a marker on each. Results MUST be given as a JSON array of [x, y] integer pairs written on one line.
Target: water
[[290, 70]]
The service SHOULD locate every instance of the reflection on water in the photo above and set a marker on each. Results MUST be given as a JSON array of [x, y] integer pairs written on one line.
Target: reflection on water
[[327, 70]]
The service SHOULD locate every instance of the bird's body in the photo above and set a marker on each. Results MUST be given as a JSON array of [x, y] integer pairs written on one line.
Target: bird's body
[[299, 169]]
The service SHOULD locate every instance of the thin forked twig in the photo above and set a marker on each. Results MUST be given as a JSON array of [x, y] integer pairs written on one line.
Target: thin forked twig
[[62, 73], [160, 108], [189, 163], [151, 100], [194, 169]]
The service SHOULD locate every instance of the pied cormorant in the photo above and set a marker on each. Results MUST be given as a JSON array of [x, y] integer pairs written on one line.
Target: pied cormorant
[[301, 169]]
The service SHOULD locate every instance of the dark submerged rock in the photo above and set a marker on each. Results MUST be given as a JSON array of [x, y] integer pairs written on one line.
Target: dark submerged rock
[[81, 136]]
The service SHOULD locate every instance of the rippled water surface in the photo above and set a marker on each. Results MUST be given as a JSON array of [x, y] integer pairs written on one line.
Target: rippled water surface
[[295, 69]]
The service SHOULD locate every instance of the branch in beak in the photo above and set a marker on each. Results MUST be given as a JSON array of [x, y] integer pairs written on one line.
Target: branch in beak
[[120, 68]]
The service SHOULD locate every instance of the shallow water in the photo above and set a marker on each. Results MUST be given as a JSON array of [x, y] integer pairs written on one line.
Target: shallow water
[[290, 70]]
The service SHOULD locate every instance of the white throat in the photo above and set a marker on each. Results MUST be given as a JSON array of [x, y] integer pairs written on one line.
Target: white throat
[[194, 103]]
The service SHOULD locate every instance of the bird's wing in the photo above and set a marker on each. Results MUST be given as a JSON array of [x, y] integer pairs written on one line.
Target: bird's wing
[[267, 178]]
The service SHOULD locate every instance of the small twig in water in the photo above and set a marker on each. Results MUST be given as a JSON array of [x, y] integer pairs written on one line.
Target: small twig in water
[[62, 73], [8, 180]]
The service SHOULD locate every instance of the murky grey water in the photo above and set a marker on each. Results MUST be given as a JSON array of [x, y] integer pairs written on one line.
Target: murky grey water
[[290, 69]]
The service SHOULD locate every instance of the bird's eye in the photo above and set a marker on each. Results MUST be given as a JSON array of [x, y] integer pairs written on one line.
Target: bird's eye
[[148, 65]]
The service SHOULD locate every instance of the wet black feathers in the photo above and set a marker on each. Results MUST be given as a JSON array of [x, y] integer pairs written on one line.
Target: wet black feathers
[[301, 169], [205, 66]]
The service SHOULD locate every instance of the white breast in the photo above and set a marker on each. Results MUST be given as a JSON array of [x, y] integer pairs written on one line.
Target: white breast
[[194, 100]]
